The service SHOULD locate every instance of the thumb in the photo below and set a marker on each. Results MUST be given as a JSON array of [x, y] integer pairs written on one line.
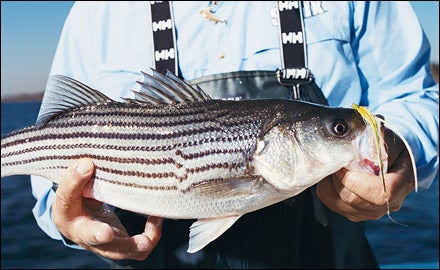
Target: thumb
[[70, 189]]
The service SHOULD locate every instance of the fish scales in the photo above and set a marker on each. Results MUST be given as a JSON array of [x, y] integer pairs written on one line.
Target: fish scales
[[174, 152], [119, 136]]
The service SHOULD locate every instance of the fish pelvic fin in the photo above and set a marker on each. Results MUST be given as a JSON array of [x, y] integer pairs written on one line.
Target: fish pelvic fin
[[204, 231], [64, 93]]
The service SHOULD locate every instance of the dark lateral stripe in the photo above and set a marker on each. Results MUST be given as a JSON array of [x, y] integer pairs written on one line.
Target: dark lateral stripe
[[144, 112], [136, 174], [141, 112], [204, 111], [157, 122], [142, 161], [34, 138], [106, 147], [132, 147], [133, 185], [90, 146], [82, 118], [114, 182], [97, 157], [145, 187], [145, 123], [212, 166], [52, 168], [113, 135], [208, 152], [161, 188]]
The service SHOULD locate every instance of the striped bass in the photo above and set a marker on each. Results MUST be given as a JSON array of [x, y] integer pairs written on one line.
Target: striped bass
[[172, 151]]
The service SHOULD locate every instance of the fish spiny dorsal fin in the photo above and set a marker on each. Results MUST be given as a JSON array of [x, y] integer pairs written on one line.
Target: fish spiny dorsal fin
[[197, 94], [63, 94], [166, 89]]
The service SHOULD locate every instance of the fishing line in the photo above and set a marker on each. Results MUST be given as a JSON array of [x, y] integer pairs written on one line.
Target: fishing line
[[373, 121]]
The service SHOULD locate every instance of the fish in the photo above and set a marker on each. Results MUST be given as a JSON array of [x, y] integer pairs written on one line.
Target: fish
[[173, 151]]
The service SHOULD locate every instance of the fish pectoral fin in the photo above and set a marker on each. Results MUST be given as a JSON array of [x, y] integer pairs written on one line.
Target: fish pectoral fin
[[204, 231], [228, 188]]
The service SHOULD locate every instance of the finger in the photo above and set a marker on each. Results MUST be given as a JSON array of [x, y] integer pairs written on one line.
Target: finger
[[400, 181], [402, 168], [367, 186], [349, 197], [355, 215], [137, 247], [68, 201], [327, 193], [153, 229], [104, 213], [92, 232], [69, 192]]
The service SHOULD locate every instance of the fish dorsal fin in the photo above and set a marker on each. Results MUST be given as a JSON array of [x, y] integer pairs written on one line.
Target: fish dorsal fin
[[166, 89], [204, 231], [63, 94]]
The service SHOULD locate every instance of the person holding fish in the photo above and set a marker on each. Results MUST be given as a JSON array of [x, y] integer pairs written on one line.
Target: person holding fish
[[373, 54]]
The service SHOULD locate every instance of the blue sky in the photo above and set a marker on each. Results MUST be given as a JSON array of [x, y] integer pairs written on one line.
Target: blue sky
[[30, 32]]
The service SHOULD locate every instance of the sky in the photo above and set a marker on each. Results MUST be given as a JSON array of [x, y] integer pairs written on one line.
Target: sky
[[30, 31]]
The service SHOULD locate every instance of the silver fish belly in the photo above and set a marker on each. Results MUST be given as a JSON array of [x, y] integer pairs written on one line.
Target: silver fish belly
[[174, 152]]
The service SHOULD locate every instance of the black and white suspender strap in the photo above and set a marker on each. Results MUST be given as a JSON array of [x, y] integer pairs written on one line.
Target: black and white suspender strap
[[294, 71], [294, 55], [164, 38]]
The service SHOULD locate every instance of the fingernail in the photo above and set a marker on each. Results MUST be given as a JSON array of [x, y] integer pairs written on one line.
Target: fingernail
[[83, 167]]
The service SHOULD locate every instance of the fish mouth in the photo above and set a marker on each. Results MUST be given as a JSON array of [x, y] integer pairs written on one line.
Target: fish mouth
[[366, 166], [371, 166], [372, 158]]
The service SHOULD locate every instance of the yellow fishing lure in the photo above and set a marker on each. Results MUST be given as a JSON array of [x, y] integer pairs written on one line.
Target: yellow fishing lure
[[374, 121]]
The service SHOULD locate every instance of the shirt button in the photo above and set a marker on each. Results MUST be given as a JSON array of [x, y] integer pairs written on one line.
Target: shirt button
[[221, 56]]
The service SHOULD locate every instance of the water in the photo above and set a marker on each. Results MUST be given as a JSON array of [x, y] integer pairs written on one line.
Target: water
[[415, 245], [25, 245]]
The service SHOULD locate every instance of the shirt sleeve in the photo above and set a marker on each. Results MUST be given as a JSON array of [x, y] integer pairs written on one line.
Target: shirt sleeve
[[70, 58], [393, 56], [42, 211]]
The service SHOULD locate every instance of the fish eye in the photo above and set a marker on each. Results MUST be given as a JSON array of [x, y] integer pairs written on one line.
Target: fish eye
[[339, 128]]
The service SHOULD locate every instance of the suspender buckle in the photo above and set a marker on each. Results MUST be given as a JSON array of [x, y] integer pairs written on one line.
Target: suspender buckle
[[295, 77]]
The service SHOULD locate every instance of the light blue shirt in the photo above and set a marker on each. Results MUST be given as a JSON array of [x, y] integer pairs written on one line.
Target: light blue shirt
[[370, 53]]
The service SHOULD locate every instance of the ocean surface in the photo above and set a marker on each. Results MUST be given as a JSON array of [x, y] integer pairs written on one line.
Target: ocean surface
[[25, 245]]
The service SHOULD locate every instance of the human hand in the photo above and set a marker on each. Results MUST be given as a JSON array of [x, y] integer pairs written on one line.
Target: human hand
[[360, 196], [93, 225]]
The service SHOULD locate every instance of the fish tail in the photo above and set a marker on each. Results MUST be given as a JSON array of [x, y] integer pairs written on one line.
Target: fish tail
[[23, 151]]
